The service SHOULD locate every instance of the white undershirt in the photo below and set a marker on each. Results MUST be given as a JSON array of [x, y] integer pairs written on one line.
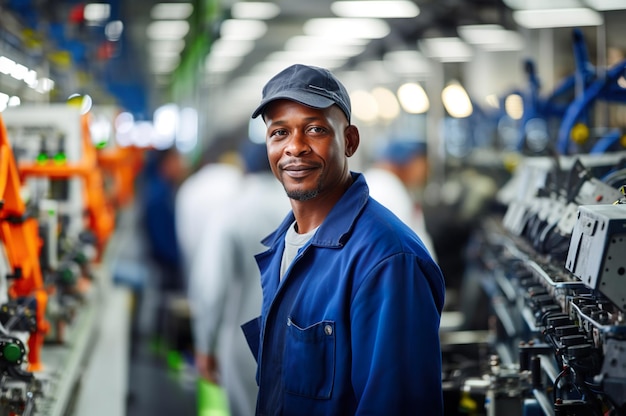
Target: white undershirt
[[293, 243]]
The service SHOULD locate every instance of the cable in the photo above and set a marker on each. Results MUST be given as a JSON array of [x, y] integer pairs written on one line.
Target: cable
[[557, 380]]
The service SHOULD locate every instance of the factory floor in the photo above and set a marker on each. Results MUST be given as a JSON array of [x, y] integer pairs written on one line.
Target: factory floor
[[159, 385], [162, 381]]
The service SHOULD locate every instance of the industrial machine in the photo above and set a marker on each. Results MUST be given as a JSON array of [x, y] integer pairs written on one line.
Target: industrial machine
[[55, 223], [24, 303], [545, 296]]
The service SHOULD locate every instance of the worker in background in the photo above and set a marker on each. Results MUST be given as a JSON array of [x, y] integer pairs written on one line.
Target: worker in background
[[162, 175], [225, 288], [215, 183], [352, 299], [397, 176]]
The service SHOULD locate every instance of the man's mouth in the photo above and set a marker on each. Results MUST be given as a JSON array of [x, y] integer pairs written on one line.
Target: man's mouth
[[298, 171]]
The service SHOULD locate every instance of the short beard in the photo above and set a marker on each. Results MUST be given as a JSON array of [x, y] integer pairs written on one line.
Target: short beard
[[302, 195]]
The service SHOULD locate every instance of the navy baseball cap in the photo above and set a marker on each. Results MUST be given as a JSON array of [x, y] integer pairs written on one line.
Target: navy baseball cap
[[308, 85], [401, 151]]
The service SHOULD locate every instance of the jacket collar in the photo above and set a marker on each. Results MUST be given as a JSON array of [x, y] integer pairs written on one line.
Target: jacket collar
[[336, 228]]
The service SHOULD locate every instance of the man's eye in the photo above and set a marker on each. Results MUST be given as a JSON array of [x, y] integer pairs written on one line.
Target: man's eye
[[278, 133]]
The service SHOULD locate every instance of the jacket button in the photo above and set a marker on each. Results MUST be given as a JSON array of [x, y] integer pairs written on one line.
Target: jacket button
[[328, 329]]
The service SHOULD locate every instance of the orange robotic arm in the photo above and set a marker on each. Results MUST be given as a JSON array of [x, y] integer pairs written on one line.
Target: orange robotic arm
[[20, 237], [100, 213]]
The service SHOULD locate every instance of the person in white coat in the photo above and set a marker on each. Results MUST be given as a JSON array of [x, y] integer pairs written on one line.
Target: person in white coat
[[214, 184], [398, 172], [225, 287]]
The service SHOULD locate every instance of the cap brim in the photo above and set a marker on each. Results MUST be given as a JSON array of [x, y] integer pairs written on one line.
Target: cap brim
[[303, 97]]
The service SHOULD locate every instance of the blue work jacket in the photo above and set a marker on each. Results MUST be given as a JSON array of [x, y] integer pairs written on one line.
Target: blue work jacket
[[353, 327]]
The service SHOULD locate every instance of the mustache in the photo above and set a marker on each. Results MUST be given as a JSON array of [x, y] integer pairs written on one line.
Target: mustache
[[297, 162]]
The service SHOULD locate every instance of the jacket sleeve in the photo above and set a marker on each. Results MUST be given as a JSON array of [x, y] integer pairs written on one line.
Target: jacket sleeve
[[395, 319], [211, 274]]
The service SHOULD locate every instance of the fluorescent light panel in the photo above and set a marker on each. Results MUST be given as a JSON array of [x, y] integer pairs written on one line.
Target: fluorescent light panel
[[171, 11], [254, 10], [491, 37], [324, 45], [450, 49], [360, 28], [242, 29], [167, 29], [605, 5], [549, 18], [372, 8], [97, 12]]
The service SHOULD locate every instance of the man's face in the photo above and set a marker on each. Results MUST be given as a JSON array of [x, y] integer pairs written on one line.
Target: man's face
[[308, 149]]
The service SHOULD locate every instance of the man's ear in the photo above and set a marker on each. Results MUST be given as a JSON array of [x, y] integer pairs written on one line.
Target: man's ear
[[352, 139]]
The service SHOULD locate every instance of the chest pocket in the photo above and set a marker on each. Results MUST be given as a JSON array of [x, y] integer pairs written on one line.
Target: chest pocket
[[309, 363]]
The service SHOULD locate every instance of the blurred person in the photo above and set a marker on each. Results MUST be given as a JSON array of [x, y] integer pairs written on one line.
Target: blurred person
[[398, 173], [225, 288], [215, 182], [163, 173], [352, 299]]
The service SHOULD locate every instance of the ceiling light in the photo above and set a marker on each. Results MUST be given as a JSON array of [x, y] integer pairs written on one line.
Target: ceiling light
[[604, 5], [242, 29], [514, 106], [339, 27], [364, 105], [14, 101], [548, 18], [166, 119], [254, 10], [167, 29], [97, 12], [31, 78], [171, 11], [381, 9], [450, 49], [388, 107], [324, 45], [19, 71], [491, 37], [456, 101], [6, 65], [413, 98]]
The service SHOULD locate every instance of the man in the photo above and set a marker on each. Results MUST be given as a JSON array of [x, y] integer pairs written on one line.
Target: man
[[212, 185], [351, 298], [225, 288], [398, 173]]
